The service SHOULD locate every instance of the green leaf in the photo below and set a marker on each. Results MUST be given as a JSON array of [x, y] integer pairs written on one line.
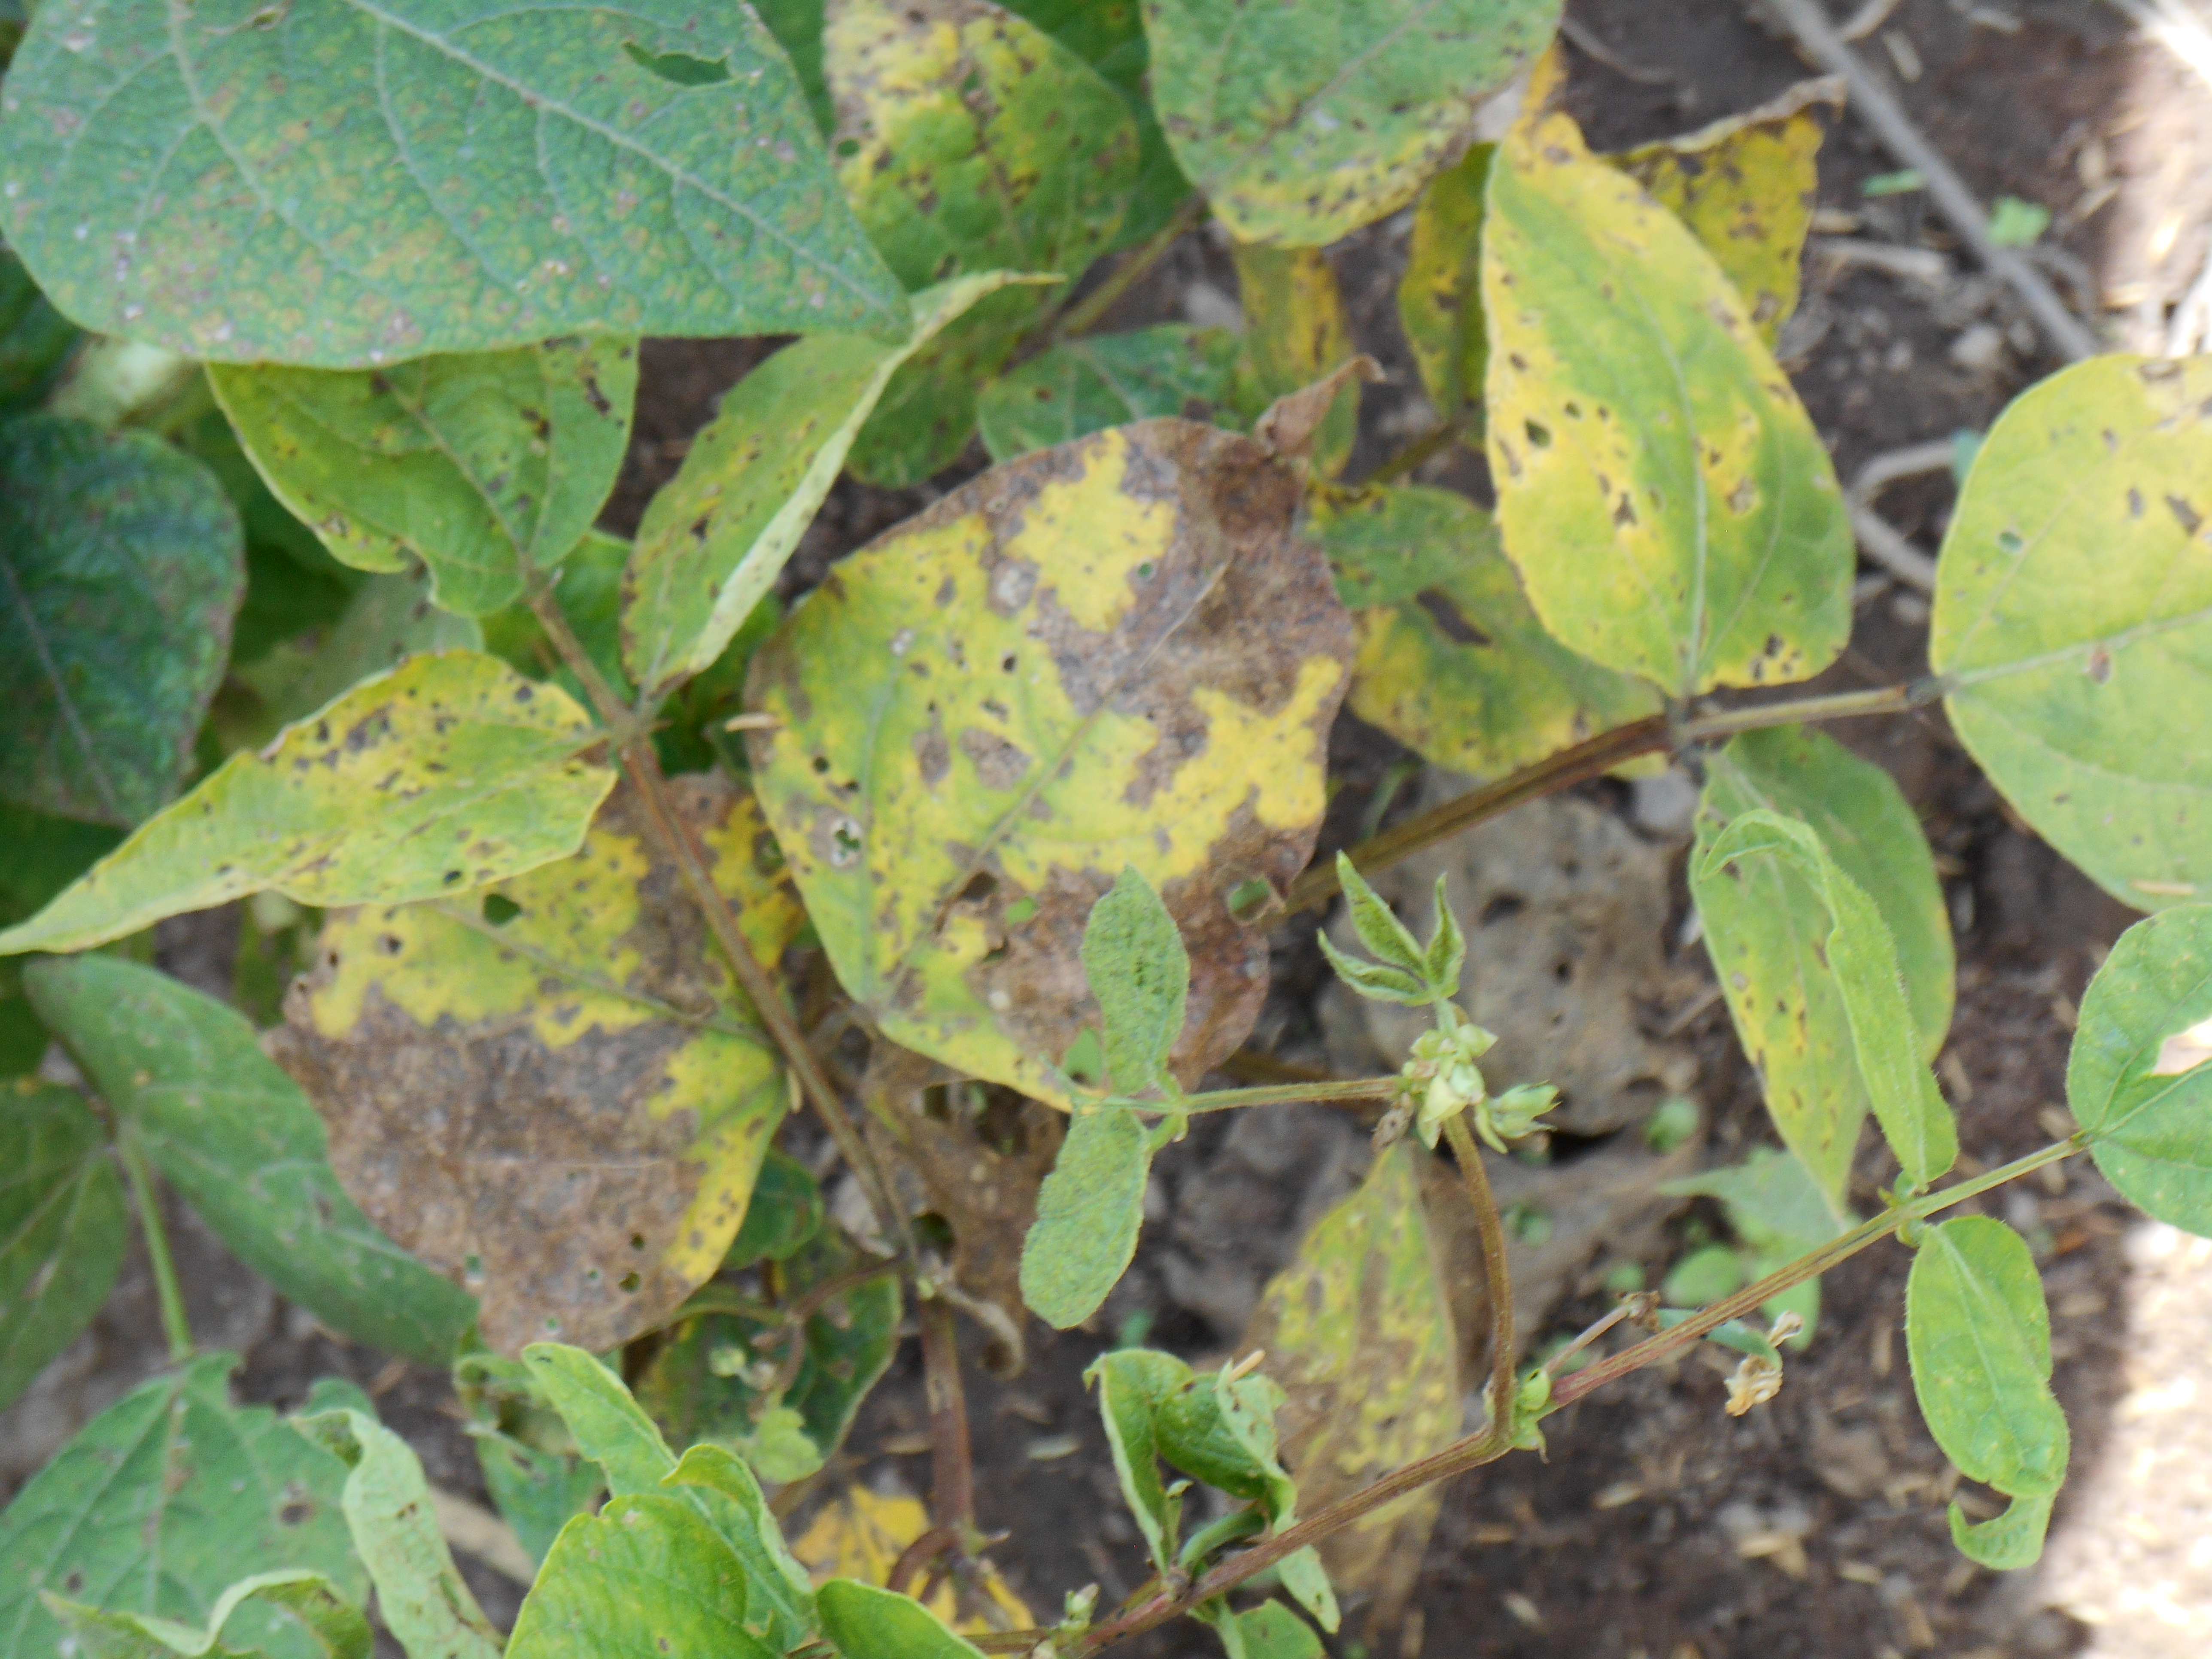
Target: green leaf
[[1373, 980], [1359, 1334], [867, 1622], [701, 1384], [120, 568], [1773, 1203], [575, 1029], [1704, 1277], [2074, 620], [1746, 186], [1131, 1383], [1453, 662], [1109, 36], [531, 1465], [1221, 1429], [1862, 957], [967, 141], [485, 467], [1088, 1214], [1766, 924], [645, 1577], [419, 1592], [783, 1215], [1440, 296], [1305, 120], [1378, 924], [240, 1142], [780, 1597], [162, 1502], [448, 773], [531, 179], [1684, 524], [1446, 953], [64, 1226], [715, 537], [1112, 654], [2011, 1540], [1270, 1631], [45, 854], [2139, 1079], [337, 1629], [1297, 332], [35, 339], [1139, 971], [609, 1425], [1098, 381], [1978, 1335]]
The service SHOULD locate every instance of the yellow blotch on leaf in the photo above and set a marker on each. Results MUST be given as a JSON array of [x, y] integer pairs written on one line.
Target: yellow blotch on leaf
[[860, 1535]]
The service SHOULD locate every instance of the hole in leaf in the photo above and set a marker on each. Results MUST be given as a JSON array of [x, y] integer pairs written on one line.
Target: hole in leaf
[[1020, 911], [1252, 898], [678, 69], [1539, 434], [637, 1241], [631, 1281], [499, 909], [980, 886]]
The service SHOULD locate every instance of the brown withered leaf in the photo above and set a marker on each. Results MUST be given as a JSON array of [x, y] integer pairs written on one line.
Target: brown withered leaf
[[1113, 653], [550, 1090], [1359, 1331]]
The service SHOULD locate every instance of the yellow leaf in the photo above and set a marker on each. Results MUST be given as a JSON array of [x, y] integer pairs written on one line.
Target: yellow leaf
[[860, 1534], [1109, 654], [1296, 331], [1746, 186]]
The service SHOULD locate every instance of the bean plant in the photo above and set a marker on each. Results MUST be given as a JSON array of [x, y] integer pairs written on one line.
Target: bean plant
[[567, 868]]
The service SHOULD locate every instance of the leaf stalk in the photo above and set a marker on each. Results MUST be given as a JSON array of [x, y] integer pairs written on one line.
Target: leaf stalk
[[167, 1290]]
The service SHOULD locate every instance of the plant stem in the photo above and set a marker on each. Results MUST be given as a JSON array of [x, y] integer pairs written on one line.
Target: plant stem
[[171, 1295], [1677, 1339], [642, 767], [1083, 315], [1266, 1094], [951, 1461], [1477, 1449], [1594, 758], [1436, 438], [1490, 1233]]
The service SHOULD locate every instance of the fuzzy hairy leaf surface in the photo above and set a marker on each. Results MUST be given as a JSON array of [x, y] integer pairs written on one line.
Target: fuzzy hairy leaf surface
[[1088, 1215], [121, 567], [561, 1109], [1139, 973], [969, 141], [1453, 662], [2139, 1078], [449, 772], [1358, 1332], [1107, 655], [2074, 616], [1297, 331], [1978, 1335], [1745, 185], [1098, 381], [1673, 512], [63, 1225], [1304, 121], [237, 1138], [1861, 957], [420, 1595], [534, 174], [165, 1500], [1766, 926], [715, 537], [337, 1629], [1131, 1383], [483, 467]]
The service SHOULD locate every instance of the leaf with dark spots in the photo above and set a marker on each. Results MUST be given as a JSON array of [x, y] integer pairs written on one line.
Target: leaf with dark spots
[[563, 1112], [162, 1502], [1597, 302], [346, 808], [121, 567], [1087, 385], [483, 468], [1746, 186], [1178, 655], [2074, 636], [969, 141]]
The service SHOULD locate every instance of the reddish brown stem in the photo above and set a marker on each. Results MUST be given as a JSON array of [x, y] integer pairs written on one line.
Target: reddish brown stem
[[952, 1464], [1490, 1234]]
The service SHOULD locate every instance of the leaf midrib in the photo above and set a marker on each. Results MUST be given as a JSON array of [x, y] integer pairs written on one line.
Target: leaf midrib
[[20, 601]]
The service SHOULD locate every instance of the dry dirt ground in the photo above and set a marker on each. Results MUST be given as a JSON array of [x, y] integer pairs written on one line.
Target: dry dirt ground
[[1659, 1529]]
